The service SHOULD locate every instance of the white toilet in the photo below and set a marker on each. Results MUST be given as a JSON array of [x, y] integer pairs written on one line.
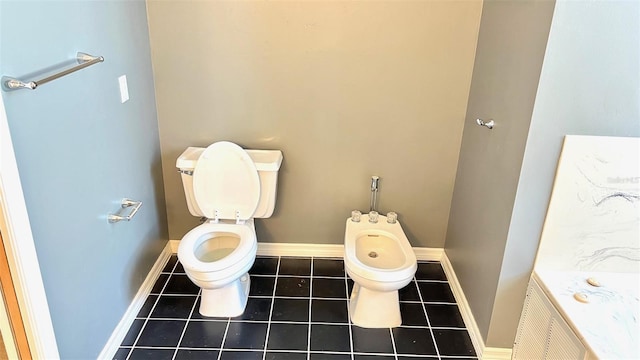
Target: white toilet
[[229, 186], [380, 260]]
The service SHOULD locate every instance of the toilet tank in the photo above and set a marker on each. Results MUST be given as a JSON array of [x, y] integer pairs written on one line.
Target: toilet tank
[[267, 163]]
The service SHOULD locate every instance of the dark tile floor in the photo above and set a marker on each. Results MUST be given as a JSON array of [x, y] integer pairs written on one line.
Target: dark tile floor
[[297, 310]]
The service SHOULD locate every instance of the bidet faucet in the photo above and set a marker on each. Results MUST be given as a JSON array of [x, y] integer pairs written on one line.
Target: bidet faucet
[[374, 193]]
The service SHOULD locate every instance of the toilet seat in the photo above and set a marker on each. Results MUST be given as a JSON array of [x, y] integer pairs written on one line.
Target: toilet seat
[[226, 184], [207, 231]]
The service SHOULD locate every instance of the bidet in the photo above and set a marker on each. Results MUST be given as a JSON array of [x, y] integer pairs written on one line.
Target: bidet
[[380, 260]]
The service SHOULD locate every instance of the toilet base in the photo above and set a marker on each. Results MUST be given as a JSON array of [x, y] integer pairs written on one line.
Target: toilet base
[[374, 309], [228, 301]]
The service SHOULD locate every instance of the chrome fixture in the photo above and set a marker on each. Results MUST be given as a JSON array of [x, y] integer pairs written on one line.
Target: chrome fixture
[[83, 60], [489, 124], [374, 192], [125, 204], [355, 215]]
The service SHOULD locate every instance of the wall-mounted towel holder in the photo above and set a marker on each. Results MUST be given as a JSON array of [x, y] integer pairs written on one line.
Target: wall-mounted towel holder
[[84, 60], [126, 203]]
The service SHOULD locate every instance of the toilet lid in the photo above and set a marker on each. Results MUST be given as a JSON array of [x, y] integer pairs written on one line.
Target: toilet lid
[[226, 180]]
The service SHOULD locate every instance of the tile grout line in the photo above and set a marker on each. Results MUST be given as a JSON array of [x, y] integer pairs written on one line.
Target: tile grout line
[[432, 281], [286, 322], [424, 309], [393, 343], [303, 298], [175, 353], [155, 303], [346, 288], [308, 297], [224, 337], [310, 301], [297, 276], [273, 300], [328, 298]]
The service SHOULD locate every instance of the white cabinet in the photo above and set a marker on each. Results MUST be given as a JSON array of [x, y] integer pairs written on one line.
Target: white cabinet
[[542, 332]]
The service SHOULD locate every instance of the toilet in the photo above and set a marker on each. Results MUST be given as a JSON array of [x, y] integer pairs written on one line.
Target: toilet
[[229, 186], [380, 260]]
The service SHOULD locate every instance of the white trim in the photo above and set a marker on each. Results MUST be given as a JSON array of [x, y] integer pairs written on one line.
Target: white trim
[[21, 254], [428, 254], [7, 333], [111, 347], [174, 245], [291, 249], [491, 353], [321, 250], [465, 310], [484, 353]]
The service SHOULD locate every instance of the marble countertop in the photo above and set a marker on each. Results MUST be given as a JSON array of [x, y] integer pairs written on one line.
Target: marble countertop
[[608, 324]]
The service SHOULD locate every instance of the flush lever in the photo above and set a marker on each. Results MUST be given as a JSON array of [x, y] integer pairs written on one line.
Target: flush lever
[[489, 124]]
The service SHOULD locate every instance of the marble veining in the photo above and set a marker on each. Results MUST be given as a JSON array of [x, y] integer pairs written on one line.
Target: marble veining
[[593, 221], [589, 261], [592, 230], [608, 323]]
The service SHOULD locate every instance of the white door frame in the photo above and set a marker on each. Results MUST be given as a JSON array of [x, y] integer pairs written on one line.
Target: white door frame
[[5, 328], [21, 252]]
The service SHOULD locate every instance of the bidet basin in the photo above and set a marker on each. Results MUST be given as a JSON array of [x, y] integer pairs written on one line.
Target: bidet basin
[[379, 249]]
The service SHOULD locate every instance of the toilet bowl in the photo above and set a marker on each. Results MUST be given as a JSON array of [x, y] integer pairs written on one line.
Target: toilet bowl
[[380, 260], [230, 187], [217, 258]]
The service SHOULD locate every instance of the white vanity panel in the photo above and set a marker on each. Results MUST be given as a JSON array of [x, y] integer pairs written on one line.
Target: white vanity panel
[[543, 333]]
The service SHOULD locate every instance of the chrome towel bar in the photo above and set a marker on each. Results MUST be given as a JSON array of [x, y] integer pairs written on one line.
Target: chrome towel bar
[[84, 60], [126, 203]]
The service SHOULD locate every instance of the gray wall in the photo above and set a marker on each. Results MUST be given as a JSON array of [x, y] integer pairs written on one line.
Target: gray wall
[[511, 45], [590, 85], [345, 89], [79, 151]]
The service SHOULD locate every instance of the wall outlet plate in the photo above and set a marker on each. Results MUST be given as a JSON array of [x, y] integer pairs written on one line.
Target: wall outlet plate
[[124, 89]]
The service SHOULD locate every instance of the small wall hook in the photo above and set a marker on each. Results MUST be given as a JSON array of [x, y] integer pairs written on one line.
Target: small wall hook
[[488, 124]]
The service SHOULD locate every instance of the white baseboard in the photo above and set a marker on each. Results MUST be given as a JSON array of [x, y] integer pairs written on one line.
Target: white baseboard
[[173, 244], [484, 353], [291, 249], [428, 254], [320, 250], [123, 326], [491, 353]]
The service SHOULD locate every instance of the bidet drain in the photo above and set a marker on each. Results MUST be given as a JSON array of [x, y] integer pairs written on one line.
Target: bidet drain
[[373, 254]]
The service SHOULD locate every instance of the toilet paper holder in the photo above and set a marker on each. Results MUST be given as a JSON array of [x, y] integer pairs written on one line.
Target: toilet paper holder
[[125, 204]]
